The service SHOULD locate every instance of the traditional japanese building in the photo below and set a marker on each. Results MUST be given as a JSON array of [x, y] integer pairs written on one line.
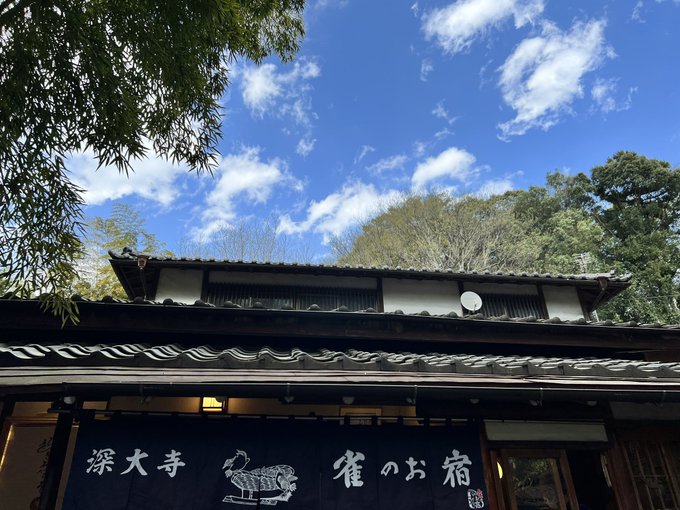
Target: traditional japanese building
[[228, 384]]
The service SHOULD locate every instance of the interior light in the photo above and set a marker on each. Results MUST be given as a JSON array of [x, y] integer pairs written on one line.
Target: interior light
[[212, 404], [500, 470]]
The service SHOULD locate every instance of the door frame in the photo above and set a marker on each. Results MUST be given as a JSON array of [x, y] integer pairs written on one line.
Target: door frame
[[564, 484]]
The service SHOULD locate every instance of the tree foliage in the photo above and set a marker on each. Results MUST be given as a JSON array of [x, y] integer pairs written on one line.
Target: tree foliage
[[125, 227], [439, 231], [560, 219], [640, 213], [113, 77], [624, 216]]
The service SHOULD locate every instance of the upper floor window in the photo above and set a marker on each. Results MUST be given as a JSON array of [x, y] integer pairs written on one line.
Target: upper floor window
[[291, 296], [512, 305]]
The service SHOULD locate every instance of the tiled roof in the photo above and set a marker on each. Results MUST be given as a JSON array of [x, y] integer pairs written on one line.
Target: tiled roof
[[424, 313], [174, 355], [610, 276]]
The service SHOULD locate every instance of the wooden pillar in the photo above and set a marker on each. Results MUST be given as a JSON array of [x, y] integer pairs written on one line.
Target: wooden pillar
[[494, 498], [55, 463], [6, 411], [619, 475]]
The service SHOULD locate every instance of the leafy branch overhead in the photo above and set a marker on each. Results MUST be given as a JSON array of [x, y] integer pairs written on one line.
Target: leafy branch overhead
[[125, 227], [119, 78]]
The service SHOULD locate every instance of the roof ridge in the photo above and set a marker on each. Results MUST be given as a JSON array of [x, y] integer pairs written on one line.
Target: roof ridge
[[128, 254]]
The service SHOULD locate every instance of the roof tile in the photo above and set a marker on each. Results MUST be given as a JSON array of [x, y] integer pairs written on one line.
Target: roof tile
[[352, 359]]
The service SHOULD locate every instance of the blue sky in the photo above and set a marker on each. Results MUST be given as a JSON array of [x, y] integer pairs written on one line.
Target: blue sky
[[388, 97]]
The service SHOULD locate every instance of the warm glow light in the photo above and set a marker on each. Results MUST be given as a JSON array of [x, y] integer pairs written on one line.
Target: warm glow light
[[211, 405], [500, 470], [4, 452]]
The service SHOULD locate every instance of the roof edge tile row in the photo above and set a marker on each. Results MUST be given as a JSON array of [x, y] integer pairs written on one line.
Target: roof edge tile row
[[139, 354], [315, 309], [129, 255]]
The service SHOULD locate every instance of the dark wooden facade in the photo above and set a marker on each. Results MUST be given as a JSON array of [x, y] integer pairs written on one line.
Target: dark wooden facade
[[585, 412]]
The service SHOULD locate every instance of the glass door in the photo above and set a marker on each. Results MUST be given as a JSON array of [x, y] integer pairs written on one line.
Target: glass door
[[535, 480]]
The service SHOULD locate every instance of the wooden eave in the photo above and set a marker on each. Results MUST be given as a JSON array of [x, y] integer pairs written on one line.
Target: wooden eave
[[24, 321]]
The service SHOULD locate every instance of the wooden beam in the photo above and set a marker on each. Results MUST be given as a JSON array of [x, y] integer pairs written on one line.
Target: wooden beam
[[490, 470], [544, 304], [619, 475], [190, 323], [6, 411], [55, 463]]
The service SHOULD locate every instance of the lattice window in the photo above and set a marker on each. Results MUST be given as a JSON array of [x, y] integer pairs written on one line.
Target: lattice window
[[512, 305], [297, 298], [654, 469]]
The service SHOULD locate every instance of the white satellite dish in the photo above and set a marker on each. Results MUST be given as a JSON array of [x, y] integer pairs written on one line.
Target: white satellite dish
[[471, 301]]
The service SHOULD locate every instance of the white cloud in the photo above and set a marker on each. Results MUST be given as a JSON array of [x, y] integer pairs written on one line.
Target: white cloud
[[637, 10], [259, 87], [442, 113], [305, 146], [456, 26], [443, 133], [239, 176], [543, 75], [453, 163], [426, 67], [363, 152], [266, 91], [300, 110], [419, 148], [153, 178], [604, 92], [495, 187], [352, 205], [329, 4], [390, 163]]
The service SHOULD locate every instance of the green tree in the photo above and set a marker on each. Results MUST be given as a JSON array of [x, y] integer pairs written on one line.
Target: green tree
[[113, 77], [640, 213], [124, 228], [561, 221], [441, 232]]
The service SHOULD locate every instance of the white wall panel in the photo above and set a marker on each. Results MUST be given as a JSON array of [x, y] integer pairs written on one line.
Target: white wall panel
[[181, 285], [413, 296], [562, 302]]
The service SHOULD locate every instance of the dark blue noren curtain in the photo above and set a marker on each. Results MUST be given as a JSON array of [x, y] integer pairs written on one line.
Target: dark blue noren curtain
[[166, 463]]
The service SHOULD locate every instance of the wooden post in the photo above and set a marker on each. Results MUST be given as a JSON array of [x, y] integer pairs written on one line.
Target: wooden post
[[55, 463], [494, 499], [6, 411]]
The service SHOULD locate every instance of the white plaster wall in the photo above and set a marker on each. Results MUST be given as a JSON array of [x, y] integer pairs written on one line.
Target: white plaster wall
[[562, 302], [300, 280], [181, 285], [413, 296]]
